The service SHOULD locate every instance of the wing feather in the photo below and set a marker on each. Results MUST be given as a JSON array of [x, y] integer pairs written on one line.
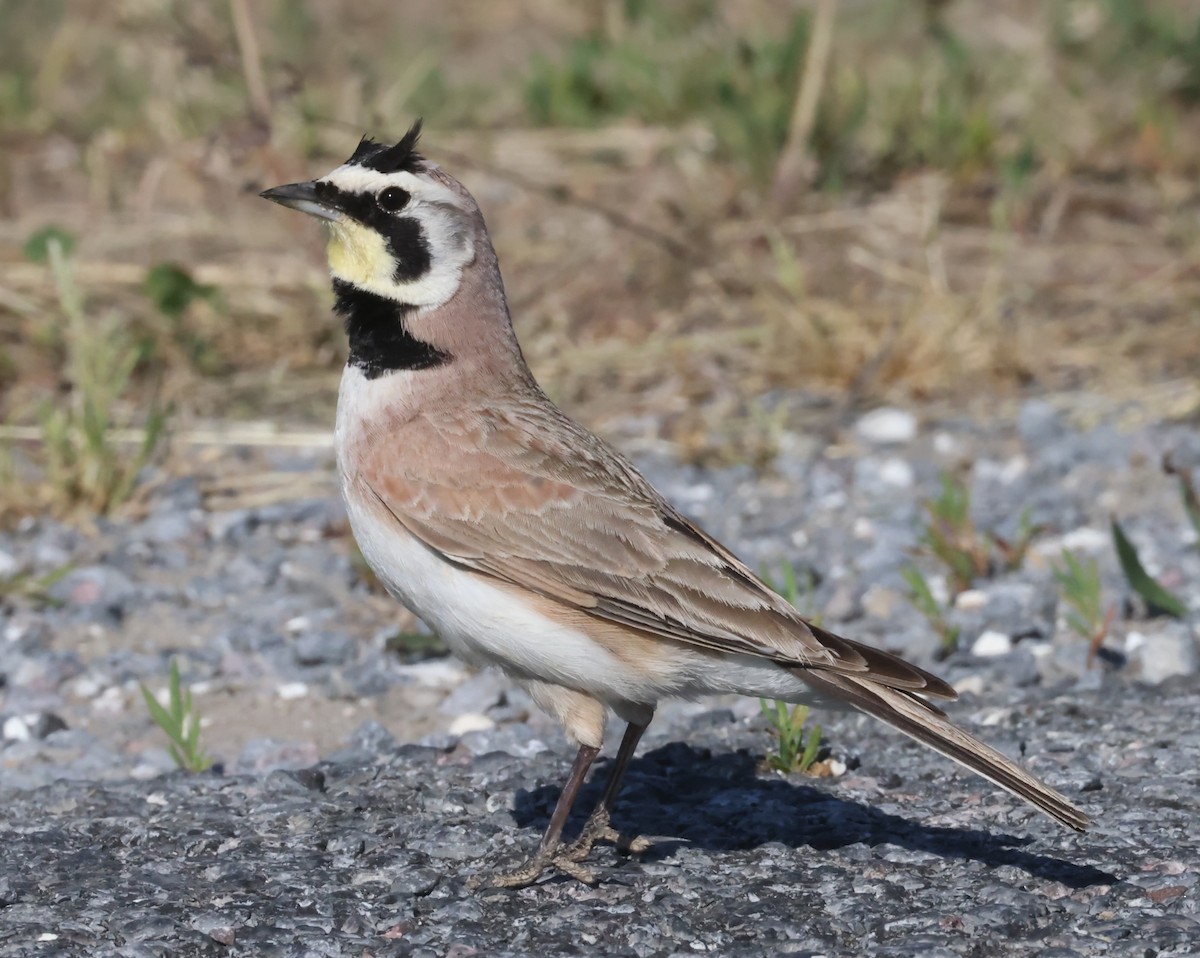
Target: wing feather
[[527, 496]]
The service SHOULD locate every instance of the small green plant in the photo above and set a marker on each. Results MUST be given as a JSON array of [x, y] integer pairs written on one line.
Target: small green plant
[[796, 750], [1158, 599], [180, 723], [924, 601], [172, 289], [951, 537], [1080, 583], [414, 646], [37, 247], [33, 588], [84, 468]]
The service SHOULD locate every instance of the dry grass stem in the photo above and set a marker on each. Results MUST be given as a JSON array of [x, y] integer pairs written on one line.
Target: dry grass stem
[[796, 166]]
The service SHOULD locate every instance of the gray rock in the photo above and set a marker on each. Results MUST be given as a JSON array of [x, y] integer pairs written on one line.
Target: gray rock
[[268, 754], [1162, 650], [322, 648], [479, 693], [1039, 423], [373, 738]]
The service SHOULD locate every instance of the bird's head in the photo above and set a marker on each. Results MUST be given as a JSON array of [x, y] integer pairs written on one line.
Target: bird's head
[[398, 226]]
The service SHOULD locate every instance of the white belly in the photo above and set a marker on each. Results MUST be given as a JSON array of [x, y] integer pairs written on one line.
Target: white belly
[[488, 625]]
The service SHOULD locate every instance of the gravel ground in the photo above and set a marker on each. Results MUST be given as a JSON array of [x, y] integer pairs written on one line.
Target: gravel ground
[[321, 834]]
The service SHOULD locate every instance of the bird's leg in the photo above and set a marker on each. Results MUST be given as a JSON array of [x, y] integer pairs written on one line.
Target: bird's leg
[[599, 826], [548, 852]]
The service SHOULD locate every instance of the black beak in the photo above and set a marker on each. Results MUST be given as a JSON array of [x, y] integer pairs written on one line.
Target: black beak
[[302, 197]]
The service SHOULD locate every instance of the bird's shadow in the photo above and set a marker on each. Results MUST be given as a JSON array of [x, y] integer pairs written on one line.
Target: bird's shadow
[[719, 802]]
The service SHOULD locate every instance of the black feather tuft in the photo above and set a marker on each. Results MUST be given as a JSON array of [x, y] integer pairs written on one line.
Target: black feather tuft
[[403, 157], [366, 147]]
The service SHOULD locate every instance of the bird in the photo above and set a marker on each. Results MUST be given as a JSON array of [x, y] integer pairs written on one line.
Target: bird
[[529, 543]]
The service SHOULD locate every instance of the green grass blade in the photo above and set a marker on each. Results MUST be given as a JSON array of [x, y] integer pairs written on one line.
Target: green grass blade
[[175, 697], [162, 718], [811, 749], [1158, 600], [922, 595], [1191, 503]]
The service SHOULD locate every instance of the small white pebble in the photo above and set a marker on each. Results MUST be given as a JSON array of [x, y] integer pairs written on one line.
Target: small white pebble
[[85, 687], [992, 643], [837, 767], [944, 444], [938, 588], [994, 716], [969, 685], [1013, 470], [434, 673], [971, 600], [471, 722], [896, 472], [112, 701], [47, 936], [297, 624], [1133, 642], [1038, 649], [887, 425], [156, 798], [15, 729], [864, 529], [1086, 539], [499, 802], [292, 690], [532, 748]]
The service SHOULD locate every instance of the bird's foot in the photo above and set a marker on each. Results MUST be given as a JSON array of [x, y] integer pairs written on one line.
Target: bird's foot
[[532, 870], [599, 829]]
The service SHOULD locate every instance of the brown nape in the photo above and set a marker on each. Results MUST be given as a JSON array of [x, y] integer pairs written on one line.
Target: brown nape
[[925, 723], [474, 325]]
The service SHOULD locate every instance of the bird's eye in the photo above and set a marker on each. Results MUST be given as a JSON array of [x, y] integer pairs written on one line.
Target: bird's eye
[[393, 199]]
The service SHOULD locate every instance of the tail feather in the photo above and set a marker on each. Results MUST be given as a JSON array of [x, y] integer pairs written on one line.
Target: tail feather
[[928, 725]]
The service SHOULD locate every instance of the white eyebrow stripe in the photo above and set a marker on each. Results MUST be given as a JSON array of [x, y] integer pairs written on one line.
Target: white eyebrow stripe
[[359, 179]]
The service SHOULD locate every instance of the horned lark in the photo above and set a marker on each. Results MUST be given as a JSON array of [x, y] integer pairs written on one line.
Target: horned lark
[[525, 540]]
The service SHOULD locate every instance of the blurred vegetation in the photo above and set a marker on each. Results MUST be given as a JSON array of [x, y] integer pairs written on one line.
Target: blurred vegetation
[[79, 465], [665, 64], [994, 197]]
